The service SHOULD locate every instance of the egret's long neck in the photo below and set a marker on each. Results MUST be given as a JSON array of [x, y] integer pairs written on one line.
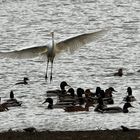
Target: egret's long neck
[[52, 40]]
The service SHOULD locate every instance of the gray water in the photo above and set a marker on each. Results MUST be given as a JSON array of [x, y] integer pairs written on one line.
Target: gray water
[[25, 23]]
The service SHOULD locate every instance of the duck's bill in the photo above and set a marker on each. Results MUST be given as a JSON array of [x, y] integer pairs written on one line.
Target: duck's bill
[[44, 102]]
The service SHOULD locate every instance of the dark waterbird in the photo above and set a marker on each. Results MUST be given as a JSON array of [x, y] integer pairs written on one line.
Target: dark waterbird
[[114, 109], [3, 107], [57, 105], [129, 96], [50, 101], [60, 91], [12, 102], [119, 73], [24, 82]]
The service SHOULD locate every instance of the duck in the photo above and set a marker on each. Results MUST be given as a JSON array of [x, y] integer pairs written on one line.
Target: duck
[[24, 82], [88, 93], [100, 106], [109, 91], [60, 91], [115, 109], [50, 101], [108, 95], [119, 73], [68, 97], [77, 108], [57, 105], [72, 97], [130, 96], [12, 102], [97, 92], [105, 95], [2, 107]]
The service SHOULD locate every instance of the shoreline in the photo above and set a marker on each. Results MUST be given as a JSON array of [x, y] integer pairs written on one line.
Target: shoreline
[[133, 134]]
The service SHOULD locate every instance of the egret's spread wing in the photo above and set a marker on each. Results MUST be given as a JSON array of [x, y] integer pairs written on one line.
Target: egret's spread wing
[[25, 53], [74, 43]]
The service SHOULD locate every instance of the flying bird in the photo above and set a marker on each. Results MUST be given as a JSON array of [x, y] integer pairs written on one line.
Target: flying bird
[[50, 51]]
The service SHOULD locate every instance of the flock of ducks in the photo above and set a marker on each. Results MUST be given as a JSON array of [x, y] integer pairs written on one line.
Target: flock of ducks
[[12, 102], [83, 99], [79, 100]]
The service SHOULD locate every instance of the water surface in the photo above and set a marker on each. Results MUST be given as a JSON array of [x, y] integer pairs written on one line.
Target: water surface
[[29, 23]]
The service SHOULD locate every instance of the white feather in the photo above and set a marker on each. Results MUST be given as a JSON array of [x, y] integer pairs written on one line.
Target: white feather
[[25, 53], [76, 42]]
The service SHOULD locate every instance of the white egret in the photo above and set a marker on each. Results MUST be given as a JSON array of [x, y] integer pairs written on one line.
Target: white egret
[[50, 52]]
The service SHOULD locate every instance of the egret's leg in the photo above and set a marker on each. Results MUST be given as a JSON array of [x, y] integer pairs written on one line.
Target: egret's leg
[[46, 70], [51, 71]]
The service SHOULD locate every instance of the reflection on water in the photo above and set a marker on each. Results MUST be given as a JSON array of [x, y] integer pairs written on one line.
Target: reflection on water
[[28, 23]]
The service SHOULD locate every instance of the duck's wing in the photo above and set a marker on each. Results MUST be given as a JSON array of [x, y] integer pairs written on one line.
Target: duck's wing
[[25, 53], [76, 42]]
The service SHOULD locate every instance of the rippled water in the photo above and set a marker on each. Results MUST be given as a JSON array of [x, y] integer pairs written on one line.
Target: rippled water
[[27, 23]]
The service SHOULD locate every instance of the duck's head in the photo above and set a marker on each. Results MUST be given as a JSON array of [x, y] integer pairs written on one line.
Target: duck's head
[[87, 93], [98, 89], [102, 93], [49, 100], [63, 85], [25, 79], [80, 92], [112, 89], [129, 90], [71, 91], [120, 70], [11, 94], [97, 92]]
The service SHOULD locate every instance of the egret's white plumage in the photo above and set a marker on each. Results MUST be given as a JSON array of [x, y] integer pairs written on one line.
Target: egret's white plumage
[[50, 52]]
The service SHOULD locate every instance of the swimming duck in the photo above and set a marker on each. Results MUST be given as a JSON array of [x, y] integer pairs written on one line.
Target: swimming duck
[[12, 102], [57, 105], [25, 79], [2, 107], [108, 95], [109, 91], [97, 92], [100, 106], [76, 108], [50, 101], [115, 109], [119, 73], [88, 93], [68, 97], [130, 96], [60, 91]]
